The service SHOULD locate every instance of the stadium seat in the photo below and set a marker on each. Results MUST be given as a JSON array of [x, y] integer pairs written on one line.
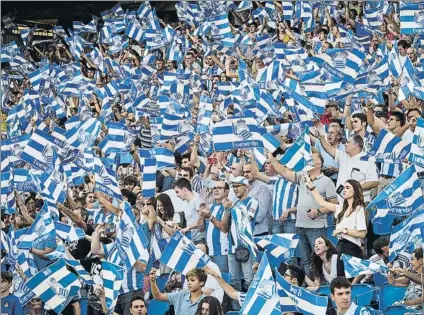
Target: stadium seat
[[379, 279], [156, 307], [324, 289], [398, 310], [362, 294], [226, 277], [390, 294]]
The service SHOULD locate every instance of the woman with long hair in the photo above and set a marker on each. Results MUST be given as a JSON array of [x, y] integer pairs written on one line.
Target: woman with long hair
[[209, 305], [323, 263], [351, 224]]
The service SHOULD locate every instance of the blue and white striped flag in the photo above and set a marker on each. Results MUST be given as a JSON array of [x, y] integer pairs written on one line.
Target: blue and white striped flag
[[342, 63], [387, 148], [395, 67], [373, 17], [355, 266], [280, 246], [135, 31], [68, 233], [219, 27], [118, 139], [288, 10], [154, 39], [148, 185], [411, 18], [164, 158], [26, 261], [55, 285], [131, 242], [299, 156], [112, 276], [182, 255], [79, 269], [262, 297], [417, 149], [401, 197], [115, 12], [237, 133], [41, 230], [173, 126], [39, 150], [7, 196], [406, 234], [106, 181], [244, 227], [297, 299]]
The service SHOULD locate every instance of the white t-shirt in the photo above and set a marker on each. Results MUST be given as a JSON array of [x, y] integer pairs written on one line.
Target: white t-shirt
[[354, 168], [355, 221], [212, 283]]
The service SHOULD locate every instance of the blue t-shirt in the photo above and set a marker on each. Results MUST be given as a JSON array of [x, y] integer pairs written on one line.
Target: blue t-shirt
[[10, 305]]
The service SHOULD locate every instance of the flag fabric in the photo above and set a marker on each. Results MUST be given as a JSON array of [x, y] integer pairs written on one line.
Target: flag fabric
[[106, 181], [406, 234], [342, 63], [131, 242], [148, 186], [112, 276], [417, 149], [262, 297], [411, 18], [280, 246], [164, 158], [182, 255], [39, 150], [387, 148], [355, 266], [79, 269], [237, 133], [299, 157], [243, 227], [41, 229], [55, 286], [401, 197], [297, 299], [68, 233]]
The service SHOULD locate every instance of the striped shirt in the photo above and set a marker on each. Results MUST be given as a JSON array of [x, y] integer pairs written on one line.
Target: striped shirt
[[252, 206], [197, 184], [216, 240], [284, 196], [133, 280], [110, 219]]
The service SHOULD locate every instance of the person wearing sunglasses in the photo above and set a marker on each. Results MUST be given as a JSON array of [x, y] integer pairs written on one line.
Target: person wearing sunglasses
[[9, 302]]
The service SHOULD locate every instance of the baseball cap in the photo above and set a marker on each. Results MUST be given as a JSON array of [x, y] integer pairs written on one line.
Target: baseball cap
[[240, 180]]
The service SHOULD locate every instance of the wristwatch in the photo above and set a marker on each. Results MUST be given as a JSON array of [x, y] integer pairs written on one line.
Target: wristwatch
[[345, 231]]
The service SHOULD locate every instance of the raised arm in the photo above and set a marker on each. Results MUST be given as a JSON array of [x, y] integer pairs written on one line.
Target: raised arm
[[73, 216], [228, 289], [318, 198], [282, 170], [107, 204], [157, 295], [327, 147]]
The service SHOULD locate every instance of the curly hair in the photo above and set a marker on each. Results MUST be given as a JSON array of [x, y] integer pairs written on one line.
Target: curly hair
[[316, 261]]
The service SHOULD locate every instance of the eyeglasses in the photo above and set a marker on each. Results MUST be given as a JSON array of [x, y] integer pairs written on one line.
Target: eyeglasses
[[329, 106]]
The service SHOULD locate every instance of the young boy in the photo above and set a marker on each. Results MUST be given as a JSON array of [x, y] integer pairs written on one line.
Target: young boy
[[185, 302], [9, 303]]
